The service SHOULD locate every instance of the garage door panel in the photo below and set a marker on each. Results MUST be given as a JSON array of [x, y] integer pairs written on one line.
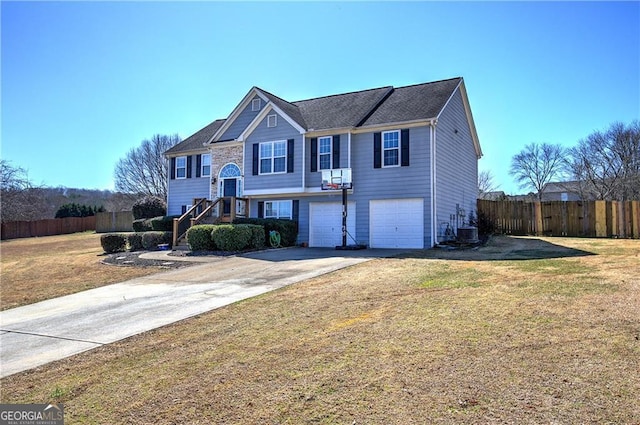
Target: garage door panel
[[325, 223], [396, 223]]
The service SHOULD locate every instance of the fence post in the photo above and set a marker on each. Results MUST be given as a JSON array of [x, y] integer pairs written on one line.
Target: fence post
[[601, 219], [537, 206]]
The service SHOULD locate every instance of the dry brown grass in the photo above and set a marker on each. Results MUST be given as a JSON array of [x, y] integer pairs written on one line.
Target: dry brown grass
[[36, 269], [475, 337]]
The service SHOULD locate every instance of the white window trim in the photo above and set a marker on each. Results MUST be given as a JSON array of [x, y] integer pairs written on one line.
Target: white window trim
[[290, 202], [272, 143], [330, 153], [202, 165], [183, 167], [256, 104], [270, 118], [389, 149]]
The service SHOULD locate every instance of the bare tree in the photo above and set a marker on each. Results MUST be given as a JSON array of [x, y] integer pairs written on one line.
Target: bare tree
[[486, 182], [536, 165], [143, 171], [19, 198], [607, 163]]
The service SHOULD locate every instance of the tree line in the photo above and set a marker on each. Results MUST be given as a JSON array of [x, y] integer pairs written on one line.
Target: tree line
[[605, 165]]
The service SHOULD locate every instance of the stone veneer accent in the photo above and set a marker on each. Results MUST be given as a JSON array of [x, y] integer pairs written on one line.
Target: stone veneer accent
[[223, 155]]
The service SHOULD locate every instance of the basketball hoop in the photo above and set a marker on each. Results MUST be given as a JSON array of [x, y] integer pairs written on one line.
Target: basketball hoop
[[336, 179]]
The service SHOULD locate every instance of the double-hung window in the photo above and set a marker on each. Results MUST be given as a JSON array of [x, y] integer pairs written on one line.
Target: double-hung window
[[273, 157], [391, 148], [324, 153], [181, 167], [206, 165], [278, 209]]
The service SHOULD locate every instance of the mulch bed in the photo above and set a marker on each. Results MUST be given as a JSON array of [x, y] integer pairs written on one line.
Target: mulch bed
[[132, 259]]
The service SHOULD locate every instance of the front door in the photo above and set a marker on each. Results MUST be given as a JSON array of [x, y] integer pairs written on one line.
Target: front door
[[229, 188]]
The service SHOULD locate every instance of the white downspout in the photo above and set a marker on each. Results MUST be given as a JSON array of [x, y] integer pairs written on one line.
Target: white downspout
[[349, 150], [434, 193], [304, 163]]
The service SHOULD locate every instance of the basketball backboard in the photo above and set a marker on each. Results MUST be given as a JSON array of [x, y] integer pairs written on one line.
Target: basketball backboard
[[336, 179]]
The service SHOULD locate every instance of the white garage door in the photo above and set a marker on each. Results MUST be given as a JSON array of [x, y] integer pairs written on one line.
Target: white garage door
[[396, 223], [325, 223]]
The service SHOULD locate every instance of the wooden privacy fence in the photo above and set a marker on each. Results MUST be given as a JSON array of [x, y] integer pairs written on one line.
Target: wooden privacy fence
[[575, 218], [47, 227], [121, 221]]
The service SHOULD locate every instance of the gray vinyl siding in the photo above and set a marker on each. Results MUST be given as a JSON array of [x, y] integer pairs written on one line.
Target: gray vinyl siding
[[183, 191], [456, 166], [314, 179], [262, 133], [242, 121], [390, 183]]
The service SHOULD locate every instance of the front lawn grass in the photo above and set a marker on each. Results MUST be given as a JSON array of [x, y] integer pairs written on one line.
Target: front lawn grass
[[486, 336], [36, 269]]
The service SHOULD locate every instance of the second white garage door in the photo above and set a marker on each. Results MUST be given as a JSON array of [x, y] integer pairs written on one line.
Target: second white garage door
[[396, 223], [325, 223]]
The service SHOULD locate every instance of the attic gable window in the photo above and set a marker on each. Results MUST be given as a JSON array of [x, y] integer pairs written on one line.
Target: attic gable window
[[272, 120], [256, 104]]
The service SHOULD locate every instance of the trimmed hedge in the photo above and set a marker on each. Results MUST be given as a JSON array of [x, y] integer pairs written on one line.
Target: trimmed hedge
[[288, 229], [162, 223], [199, 237], [230, 237], [141, 225], [135, 241], [113, 242], [149, 207], [151, 240]]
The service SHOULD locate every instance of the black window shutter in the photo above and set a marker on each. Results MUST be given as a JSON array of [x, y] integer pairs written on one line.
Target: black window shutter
[[173, 168], [290, 156], [314, 154], [198, 165], [261, 209], [404, 147], [336, 151], [189, 164], [184, 209], [377, 150], [256, 147], [295, 213]]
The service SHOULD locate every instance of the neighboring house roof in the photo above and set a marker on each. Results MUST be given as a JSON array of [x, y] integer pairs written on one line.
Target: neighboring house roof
[[196, 141], [562, 187]]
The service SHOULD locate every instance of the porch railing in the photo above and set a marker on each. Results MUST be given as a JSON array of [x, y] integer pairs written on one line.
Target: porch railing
[[224, 209]]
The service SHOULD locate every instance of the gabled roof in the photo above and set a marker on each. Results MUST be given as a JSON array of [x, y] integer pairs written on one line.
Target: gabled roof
[[411, 103], [196, 141], [288, 108], [366, 108]]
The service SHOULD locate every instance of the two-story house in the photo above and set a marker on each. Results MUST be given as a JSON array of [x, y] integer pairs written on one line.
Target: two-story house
[[413, 154]]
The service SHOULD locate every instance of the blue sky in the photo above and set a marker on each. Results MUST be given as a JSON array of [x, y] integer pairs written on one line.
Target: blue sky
[[84, 82]]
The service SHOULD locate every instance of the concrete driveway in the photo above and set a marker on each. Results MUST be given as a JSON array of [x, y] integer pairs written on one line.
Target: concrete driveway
[[37, 334]]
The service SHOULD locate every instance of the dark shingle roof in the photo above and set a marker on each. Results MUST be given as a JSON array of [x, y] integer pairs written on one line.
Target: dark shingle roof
[[341, 110], [197, 140], [288, 108], [421, 101], [361, 108]]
